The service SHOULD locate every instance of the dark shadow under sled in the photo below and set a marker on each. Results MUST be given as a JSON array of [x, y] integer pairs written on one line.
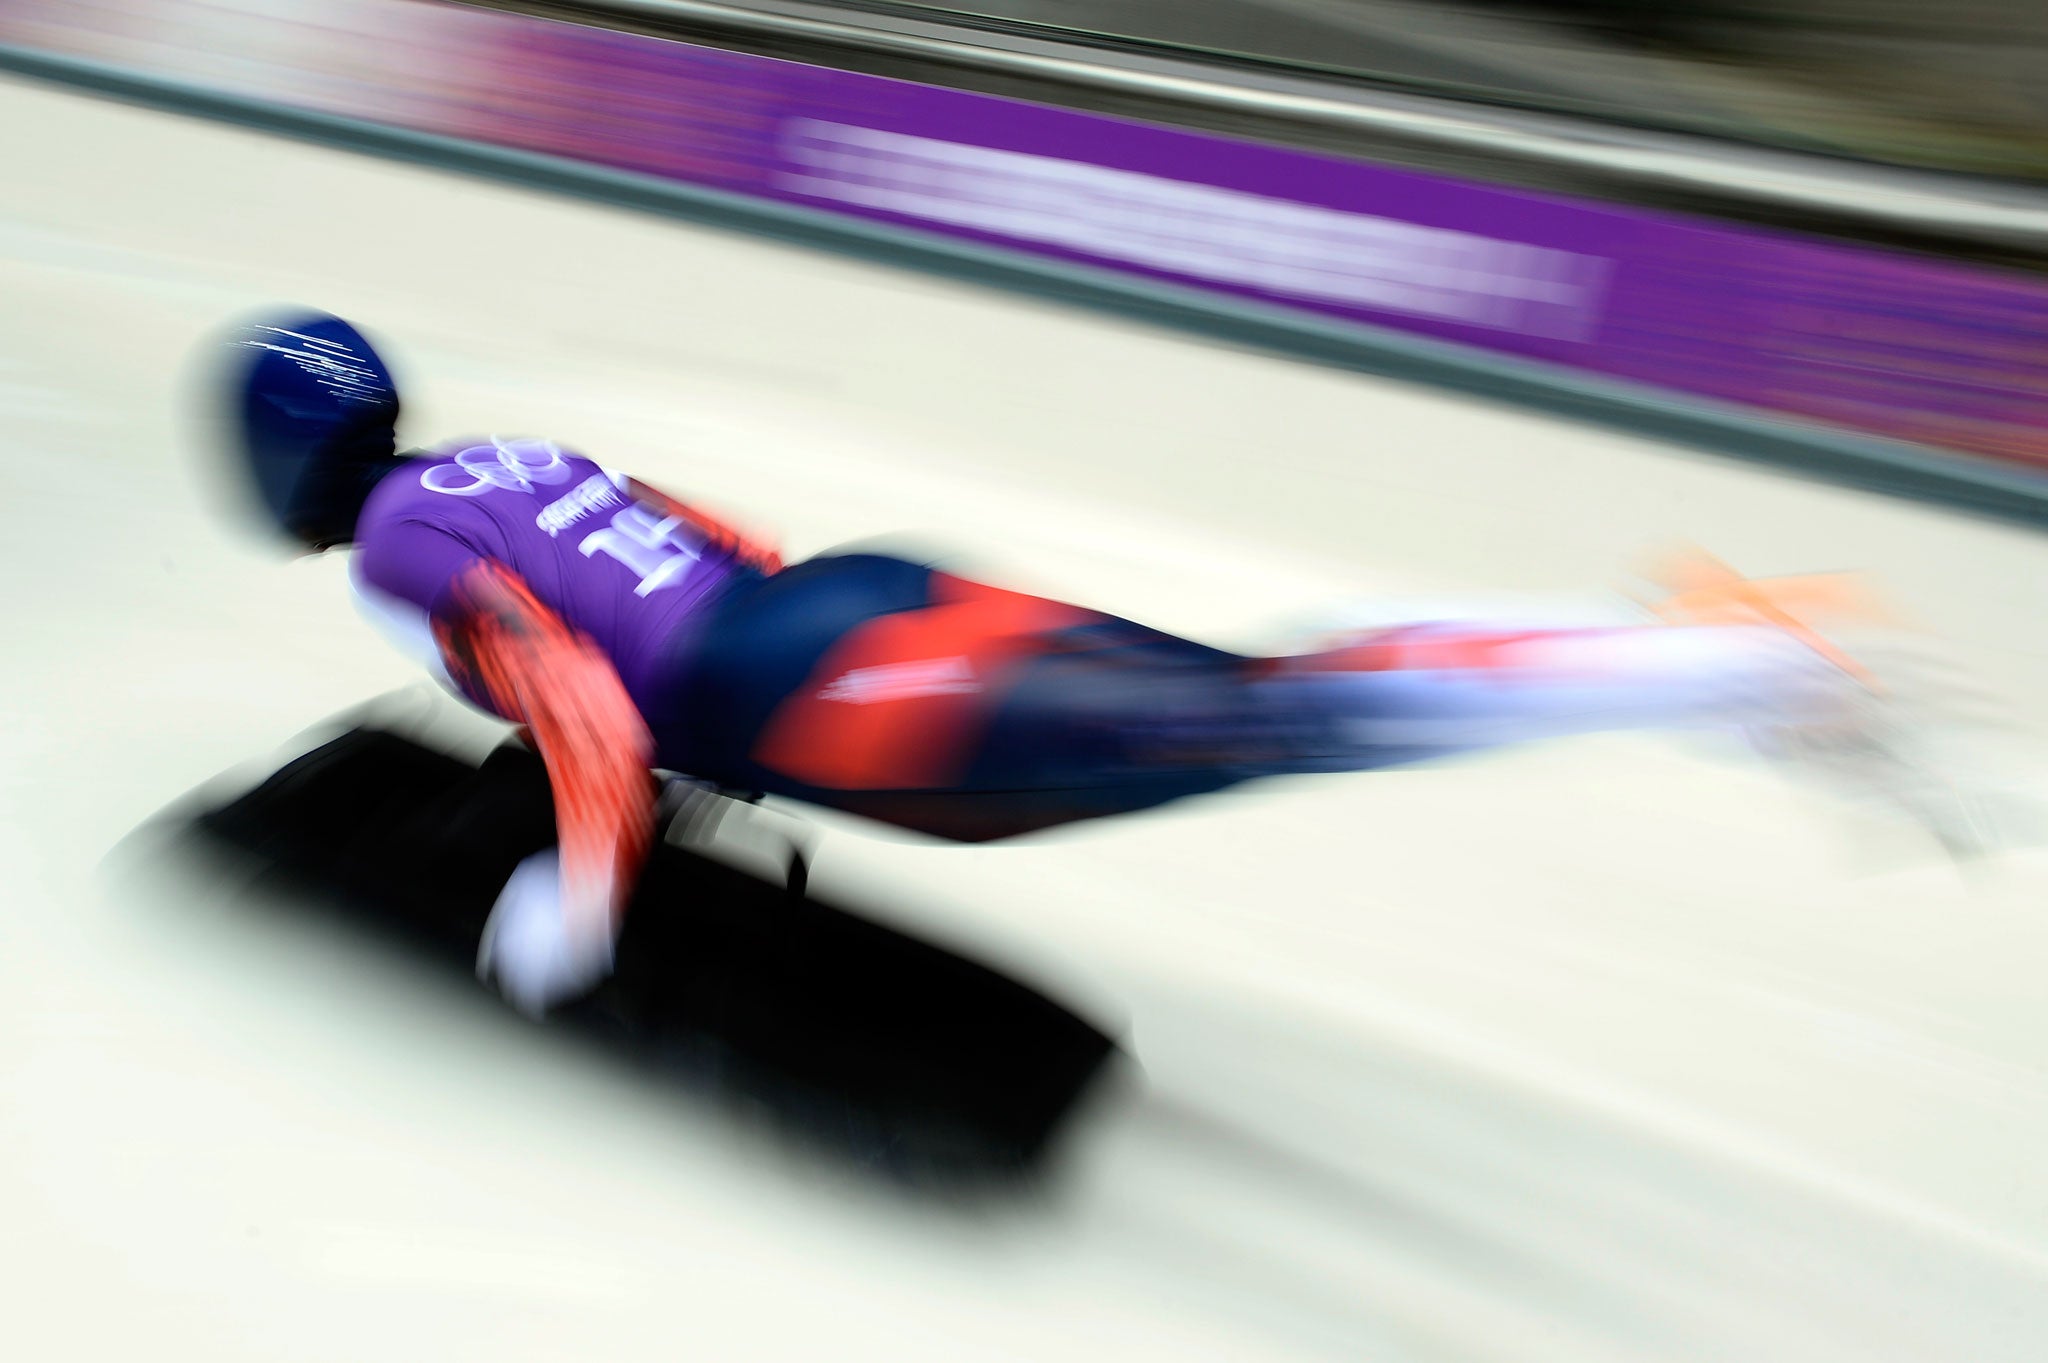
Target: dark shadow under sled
[[905, 1055]]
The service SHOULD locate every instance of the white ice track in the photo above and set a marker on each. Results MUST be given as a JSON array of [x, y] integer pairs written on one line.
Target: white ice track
[[1609, 1050]]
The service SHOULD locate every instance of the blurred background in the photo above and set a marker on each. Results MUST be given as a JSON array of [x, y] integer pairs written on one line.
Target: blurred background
[[1878, 80], [1234, 319]]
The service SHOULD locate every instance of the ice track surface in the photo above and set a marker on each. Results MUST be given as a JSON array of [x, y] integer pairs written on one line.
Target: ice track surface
[[1609, 1050]]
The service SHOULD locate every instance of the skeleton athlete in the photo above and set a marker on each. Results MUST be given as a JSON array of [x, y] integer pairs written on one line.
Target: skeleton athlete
[[628, 632]]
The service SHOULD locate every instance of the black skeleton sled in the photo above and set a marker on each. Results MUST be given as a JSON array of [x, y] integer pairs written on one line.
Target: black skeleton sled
[[907, 1057]]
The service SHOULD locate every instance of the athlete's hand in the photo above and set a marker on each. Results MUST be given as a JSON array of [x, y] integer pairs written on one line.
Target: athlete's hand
[[538, 951]]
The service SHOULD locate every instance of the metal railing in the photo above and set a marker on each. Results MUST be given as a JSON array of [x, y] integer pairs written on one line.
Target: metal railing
[[1925, 210]]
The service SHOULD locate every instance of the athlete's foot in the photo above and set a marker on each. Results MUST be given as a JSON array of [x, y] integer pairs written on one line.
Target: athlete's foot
[[1699, 589], [1879, 748]]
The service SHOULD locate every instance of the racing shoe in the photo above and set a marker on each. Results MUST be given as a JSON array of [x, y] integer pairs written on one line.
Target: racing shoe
[[1699, 589], [1883, 747]]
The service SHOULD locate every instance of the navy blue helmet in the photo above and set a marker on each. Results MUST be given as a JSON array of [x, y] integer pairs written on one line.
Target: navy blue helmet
[[317, 415]]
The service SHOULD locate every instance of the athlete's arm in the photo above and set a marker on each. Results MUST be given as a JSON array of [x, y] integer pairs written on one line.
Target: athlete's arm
[[538, 672], [754, 552]]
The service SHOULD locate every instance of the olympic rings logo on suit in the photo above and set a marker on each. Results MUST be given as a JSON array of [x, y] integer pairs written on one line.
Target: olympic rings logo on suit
[[502, 465]]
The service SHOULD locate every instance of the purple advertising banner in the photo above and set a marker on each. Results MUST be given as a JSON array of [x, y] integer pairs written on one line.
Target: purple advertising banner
[[1938, 354]]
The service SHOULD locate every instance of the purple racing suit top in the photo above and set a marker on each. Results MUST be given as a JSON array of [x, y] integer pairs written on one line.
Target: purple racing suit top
[[625, 574]]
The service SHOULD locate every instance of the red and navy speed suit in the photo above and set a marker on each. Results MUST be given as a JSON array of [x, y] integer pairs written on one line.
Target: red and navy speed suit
[[629, 631]]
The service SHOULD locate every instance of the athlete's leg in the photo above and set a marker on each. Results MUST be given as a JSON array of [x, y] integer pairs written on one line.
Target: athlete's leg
[[942, 705], [1425, 691], [921, 699]]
